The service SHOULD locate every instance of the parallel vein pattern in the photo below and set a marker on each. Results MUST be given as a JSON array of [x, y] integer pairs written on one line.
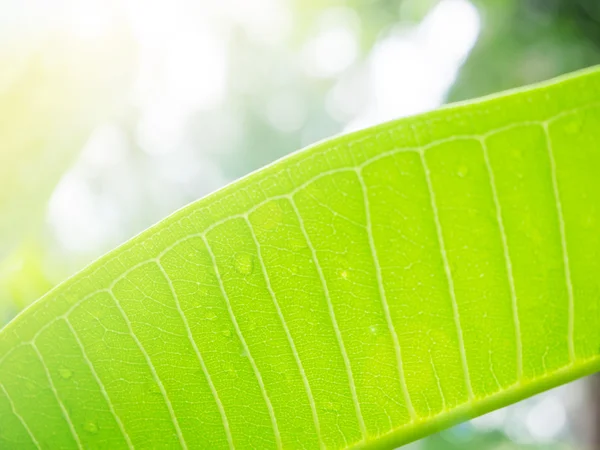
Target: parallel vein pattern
[[288, 336], [246, 349], [507, 259], [384, 302], [155, 376], [199, 356], [100, 386], [64, 411], [448, 272], [563, 242], [358, 294], [334, 323]]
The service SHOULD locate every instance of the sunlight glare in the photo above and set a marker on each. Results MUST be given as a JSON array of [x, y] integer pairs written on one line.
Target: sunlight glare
[[412, 69]]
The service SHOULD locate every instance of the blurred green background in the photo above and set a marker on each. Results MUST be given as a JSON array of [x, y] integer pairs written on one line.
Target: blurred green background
[[113, 114]]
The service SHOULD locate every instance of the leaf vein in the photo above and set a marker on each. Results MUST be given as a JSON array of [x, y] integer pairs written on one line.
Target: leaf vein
[[150, 365], [288, 335], [507, 258], [563, 243], [18, 416], [192, 341], [336, 328], [61, 405], [100, 384], [245, 346], [450, 281], [383, 297]]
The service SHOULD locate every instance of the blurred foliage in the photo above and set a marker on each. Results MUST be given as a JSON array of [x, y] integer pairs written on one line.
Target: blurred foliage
[[53, 92], [456, 439], [45, 118], [22, 280], [525, 41]]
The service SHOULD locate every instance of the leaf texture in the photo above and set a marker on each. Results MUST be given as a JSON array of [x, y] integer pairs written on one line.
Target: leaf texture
[[357, 294]]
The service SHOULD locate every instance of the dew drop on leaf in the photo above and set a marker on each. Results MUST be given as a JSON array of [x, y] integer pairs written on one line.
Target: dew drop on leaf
[[226, 332], [331, 406], [65, 373], [91, 427], [244, 263]]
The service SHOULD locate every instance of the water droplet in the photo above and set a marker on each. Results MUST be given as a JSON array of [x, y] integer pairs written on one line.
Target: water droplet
[[226, 332], [91, 427], [65, 373], [331, 406], [244, 263], [373, 329], [344, 274], [462, 171]]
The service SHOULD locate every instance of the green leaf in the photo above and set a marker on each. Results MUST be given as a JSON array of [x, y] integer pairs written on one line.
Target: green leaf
[[363, 292]]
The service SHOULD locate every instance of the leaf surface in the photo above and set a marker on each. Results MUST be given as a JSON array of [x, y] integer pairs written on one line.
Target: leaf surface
[[360, 293]]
